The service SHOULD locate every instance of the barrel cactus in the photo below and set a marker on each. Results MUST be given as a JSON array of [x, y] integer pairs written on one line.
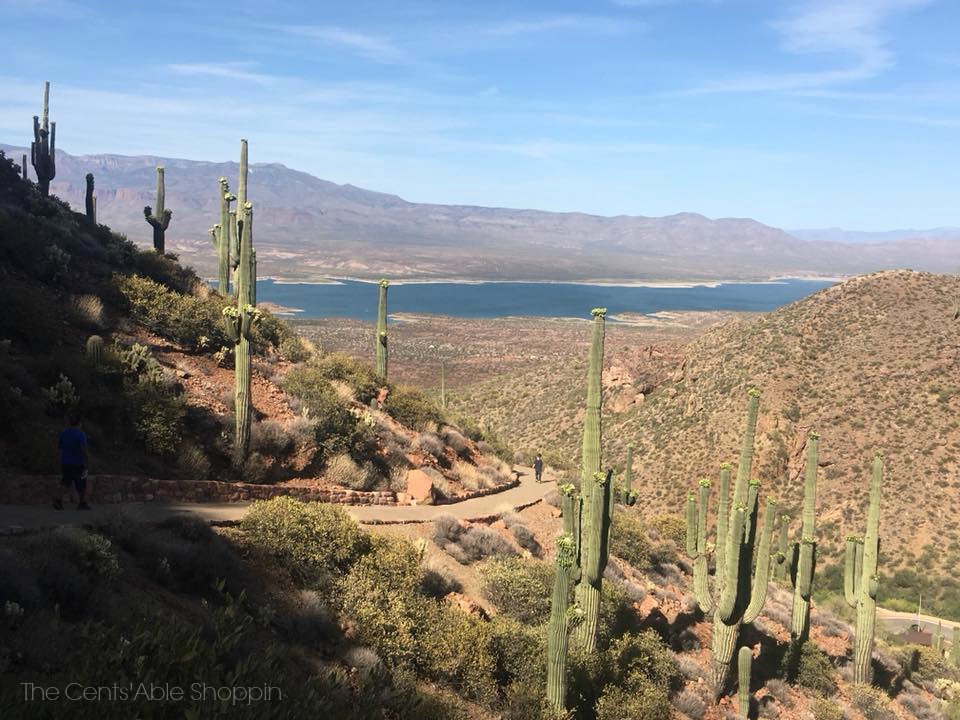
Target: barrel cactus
[[95, 350]]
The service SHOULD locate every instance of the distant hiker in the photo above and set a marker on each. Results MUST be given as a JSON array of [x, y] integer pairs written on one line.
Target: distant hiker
[[538, 468], [73, 462]]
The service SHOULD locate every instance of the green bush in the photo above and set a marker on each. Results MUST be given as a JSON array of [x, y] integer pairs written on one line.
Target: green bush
[[873, 703], [824, 709], [643, 701], [519, 650], [635, 657], [380, 596], [670, 527], [814, 670], [360, 377], [925, 664], [454, 648], [158, 416], [292, 349], [410, 407], [629, 541], [312, 540], [519, 587]]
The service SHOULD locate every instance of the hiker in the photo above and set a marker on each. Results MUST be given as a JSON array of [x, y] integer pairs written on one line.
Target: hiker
[[538, 468], [73, 462]]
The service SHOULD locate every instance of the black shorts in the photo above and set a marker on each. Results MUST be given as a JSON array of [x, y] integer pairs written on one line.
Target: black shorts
[[74, 476]]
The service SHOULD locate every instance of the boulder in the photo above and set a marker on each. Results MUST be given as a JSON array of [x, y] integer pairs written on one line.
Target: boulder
[[419, 486]]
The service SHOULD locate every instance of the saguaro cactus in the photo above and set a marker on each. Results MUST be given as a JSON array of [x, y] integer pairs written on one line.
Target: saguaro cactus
[[237, 231], [744, 665], [91, 200], [381, 339], [738, 594], [23, 166], [563, 615], [625, 493], [222, 236], [938, 638], [860, 579], [159, 216], [805, 551], [955, 646], [240, 320], [783, 557], [595, 490], [43, 148]]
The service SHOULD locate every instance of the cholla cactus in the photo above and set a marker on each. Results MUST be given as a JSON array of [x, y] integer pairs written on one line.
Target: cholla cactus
[[861, 580], [43, 148], [738, 595], [159, 216]]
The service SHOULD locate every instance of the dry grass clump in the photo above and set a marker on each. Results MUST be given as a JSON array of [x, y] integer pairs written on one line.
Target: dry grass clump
[[343, 470], [88, 309]]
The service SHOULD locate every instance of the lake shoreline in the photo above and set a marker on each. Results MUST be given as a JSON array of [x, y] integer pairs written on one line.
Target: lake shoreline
[[680, 284]]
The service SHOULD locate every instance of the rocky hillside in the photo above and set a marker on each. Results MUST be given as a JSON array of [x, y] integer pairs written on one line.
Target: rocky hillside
[[136, 343], [871, 364], [310, 228]]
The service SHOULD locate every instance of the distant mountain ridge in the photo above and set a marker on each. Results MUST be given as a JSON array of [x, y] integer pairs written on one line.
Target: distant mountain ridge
[[307, 229], [836, 234]]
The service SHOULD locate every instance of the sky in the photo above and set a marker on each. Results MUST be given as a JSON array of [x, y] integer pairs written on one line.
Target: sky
[[799, 113]]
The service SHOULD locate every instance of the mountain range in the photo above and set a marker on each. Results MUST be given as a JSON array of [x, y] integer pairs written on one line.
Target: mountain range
[[308, 229]]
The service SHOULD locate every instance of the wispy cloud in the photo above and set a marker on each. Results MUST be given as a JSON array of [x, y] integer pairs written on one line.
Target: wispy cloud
[[592, 24], [371, 47], [851, 29], [231, 70]]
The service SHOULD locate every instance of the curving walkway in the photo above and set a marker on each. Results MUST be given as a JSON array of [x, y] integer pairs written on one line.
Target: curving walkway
[[15, 519]]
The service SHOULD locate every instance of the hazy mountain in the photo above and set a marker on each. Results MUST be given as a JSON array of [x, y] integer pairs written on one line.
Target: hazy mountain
[[836, 234], [308, 228]]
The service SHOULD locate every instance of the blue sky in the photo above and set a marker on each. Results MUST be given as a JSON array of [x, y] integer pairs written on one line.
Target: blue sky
[[800, 113]]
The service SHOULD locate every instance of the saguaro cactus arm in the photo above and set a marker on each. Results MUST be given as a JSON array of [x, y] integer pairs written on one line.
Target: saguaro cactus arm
[[744, 666], [761, 575]]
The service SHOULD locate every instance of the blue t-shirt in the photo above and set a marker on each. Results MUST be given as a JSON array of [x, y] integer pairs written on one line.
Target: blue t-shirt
[[72, 442]]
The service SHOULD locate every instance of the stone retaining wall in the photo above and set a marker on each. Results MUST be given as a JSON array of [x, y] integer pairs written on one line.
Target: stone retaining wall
[[39, 489]]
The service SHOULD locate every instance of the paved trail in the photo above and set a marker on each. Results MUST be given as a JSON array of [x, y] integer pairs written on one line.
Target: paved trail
[[897, 622], [13, 518]]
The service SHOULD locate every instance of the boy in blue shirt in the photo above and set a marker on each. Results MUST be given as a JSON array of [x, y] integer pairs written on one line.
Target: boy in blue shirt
[[73, 462]]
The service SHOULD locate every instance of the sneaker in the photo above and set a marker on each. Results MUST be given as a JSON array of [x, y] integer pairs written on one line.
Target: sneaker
[[58, 504], [83, 506]]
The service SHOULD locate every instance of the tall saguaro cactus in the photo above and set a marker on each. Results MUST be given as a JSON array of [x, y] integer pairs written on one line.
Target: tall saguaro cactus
[[91, 200], [159, 216], [381, 339], [860, 579], [805, 551], [23, 166], [782, 559], [744, 666], [739, 592], [955, 646], [43, 149], [563, 615], [595, 490], [222, 236], [240, 320]]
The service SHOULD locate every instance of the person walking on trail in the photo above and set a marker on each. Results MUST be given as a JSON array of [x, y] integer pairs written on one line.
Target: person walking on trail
[[538, 468], [73, 462]]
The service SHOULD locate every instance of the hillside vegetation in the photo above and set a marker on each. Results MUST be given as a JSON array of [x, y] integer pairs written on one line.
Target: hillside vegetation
[[871, 364]]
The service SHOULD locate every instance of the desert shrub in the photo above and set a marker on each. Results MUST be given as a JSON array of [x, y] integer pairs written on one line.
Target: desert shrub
[[193, 321], [409, 406], [436, 583], [88, 311], [691, 704], [925, 664], [824, 709], [469, 475], [480, 542], [519, 650], [311, 540], [873, 703], [270, 438], [158, 417], [342, 470], [360, 377], [643, 701], [642, 655], [448, 637], [916, 704], [526, 540], [519, 587], [455, 440], [293, 349], [779, 691], [670, 527], [254, 468], [429, 443], [192, 462], [813, 669], [629, 541], [379, 595]]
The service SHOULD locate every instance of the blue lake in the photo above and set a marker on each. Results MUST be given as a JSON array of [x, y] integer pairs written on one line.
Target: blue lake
[[498, 299]]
